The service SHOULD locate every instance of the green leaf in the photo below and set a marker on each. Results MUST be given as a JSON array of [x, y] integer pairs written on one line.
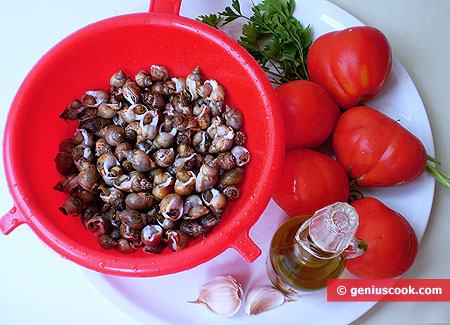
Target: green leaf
[[272, 49], [229, 15], [291, 7], [272, 36], [212, 20], [236, 6], [251, 33], [289, 56]]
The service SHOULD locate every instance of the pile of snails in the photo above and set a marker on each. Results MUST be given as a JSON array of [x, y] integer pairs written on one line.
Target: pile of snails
[[154, 160]]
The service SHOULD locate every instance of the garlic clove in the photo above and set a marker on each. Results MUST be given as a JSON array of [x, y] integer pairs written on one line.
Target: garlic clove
[[264, 298], [222, 295]]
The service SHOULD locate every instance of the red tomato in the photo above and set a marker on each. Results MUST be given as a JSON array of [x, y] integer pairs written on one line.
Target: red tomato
[[310, 181], [353, 65], [309, 113], [376, 150], [391, 239]]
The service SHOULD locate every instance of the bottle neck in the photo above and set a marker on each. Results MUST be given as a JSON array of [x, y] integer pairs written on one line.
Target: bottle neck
[[303, 238]]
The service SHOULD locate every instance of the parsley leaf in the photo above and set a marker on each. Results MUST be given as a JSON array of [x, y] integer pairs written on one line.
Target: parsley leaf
[[277, 40], [212, 20]]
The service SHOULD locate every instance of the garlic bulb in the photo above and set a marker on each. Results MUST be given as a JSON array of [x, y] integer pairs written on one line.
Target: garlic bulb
[[264, 298], [222, 295]]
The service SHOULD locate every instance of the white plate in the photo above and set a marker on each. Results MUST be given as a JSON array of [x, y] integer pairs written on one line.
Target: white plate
[[164, 299]]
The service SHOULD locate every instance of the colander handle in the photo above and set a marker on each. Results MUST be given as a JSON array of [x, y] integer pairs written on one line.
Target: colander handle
[[246, 247], [165, 6], [11, 220]]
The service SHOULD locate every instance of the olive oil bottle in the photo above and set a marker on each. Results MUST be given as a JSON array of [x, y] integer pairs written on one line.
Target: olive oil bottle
[[307, 251]]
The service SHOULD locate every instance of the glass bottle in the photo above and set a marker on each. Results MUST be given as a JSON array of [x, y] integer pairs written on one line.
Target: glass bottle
[[307, 251]]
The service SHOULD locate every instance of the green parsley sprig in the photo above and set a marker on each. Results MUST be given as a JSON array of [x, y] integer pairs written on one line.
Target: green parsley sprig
[[272, 36]]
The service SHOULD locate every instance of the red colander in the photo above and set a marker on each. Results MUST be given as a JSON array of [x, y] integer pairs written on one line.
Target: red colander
[[86, 60]]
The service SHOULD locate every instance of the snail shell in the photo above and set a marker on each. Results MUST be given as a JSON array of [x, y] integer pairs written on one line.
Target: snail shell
[[139, 201], [67, 145], [194, 208], [107, 110], [163, 184], [120, 149], [157, 87], [135, 181], [239, 138], [131, 91], [165, 139], [185, 183], [119, 121], [72, 206], [106, 242], [93, 98], [207, 177], [153, 100], [184, 150], [148, 126], [242, 155], [151, 235], [102, 147], [229, 178], [140, 160], [159, 72], [105, 163], [176, 239], [171, 206], [86, 196], [93, 124], [164, 157], [83, 137], [129, 233], [133, 113], [223, 139], [232, 193], [133, 218], [88, 212], [197, 211], [97, 225], [190, 202], [131, 130], [192, 228], [212, 129], [88, 178], [184, 121], [118, 79], [186, 163], [226, 161], [201, 142], [143, 79], [181, 105], [64, 163], [204, 117], [179, 83], [114, 197], [72, 111], [215, 200], [67, 184], [114, 135], [124, 246], [217, 93], [82, 152], [233, 118], [209, 221], [193, 82], [165, 223], [204, 90]]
